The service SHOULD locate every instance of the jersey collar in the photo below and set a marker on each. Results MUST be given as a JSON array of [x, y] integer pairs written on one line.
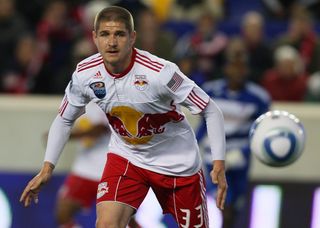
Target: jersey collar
[[126, 71]]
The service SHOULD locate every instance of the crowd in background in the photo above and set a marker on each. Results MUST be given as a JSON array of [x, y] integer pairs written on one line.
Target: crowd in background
[[42, 41]]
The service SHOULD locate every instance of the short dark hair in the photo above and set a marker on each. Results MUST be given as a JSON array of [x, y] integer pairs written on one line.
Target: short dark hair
[[114, 13]]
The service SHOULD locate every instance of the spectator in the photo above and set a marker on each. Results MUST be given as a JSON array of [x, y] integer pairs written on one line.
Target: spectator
[[206, 44], [23, 67], [283, 9], [302, 36], [253, 36], [287, 81], [12, 25], [54, 37], [152, 38], [191, 10]]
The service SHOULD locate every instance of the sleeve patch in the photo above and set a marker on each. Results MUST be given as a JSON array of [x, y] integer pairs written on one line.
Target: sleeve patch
[[175, 82]]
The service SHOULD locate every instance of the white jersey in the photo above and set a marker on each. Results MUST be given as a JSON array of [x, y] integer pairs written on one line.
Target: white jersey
[[92, 154], [143, 108]]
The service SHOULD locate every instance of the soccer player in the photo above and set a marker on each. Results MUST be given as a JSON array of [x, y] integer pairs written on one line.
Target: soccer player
[[241, 103], [152, 145]]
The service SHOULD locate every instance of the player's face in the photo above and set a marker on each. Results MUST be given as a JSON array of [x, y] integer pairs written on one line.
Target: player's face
[[115, 43]]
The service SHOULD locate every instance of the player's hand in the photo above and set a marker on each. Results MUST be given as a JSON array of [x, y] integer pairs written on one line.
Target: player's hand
[[218, 177], [31, 191]]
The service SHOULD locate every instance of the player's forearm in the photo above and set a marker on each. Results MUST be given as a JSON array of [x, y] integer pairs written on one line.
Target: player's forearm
[[58, 136], [215, 127]]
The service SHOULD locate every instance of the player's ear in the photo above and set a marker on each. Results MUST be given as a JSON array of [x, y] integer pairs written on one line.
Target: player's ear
[[94, 37], [133, 36]]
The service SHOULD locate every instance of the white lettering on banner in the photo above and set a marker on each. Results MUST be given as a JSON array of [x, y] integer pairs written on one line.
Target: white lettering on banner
[[186, 218]]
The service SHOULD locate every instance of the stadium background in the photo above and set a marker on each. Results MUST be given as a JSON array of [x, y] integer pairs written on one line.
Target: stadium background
[[286, 197]]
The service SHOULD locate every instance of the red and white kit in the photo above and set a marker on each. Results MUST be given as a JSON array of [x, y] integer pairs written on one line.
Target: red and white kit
[[149, 130]]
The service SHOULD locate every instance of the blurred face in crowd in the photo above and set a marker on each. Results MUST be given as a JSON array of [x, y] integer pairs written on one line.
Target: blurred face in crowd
[[25, 50], [206, 25], [115, 43], [149, 27], [56, 14], [236, 68], [287, 68], [299, 27], [252, 28], [6, 8], [236, 73]]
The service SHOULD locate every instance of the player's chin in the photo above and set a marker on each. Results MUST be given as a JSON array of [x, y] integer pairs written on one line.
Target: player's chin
[[112, 59]]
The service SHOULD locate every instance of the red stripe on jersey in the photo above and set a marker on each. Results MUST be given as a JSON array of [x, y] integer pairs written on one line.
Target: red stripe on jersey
[[90, 61], [148, 62], [199, 98], [146, 58], [146, 65], [63, 104], [90, 66], [64, 107], [193, 97]]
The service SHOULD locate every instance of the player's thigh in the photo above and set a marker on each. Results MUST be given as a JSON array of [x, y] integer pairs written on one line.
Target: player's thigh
[[184, 198], [113, 214], [122, 182]]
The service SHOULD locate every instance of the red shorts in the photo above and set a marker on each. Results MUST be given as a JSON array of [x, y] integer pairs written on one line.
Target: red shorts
[[80, 190], [183, 197]]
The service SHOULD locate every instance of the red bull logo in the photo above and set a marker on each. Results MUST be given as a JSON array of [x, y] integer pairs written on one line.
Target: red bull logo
[[138, 128], [141, 82]]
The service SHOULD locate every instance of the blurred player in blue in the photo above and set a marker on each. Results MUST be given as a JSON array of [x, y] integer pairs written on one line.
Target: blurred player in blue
[[241, 103]]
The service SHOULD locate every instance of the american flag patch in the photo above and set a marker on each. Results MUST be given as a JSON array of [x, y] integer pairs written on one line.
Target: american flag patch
[[175, 82]]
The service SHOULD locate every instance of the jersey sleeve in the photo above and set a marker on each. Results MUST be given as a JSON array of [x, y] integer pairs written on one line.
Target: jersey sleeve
[[60, 130], [183, 90], [75, 92]]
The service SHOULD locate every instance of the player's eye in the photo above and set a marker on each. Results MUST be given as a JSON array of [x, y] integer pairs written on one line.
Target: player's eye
[[120, 34], [103, 33]]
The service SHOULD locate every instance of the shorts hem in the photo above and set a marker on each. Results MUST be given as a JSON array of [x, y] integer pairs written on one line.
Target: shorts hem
[[117, 202]]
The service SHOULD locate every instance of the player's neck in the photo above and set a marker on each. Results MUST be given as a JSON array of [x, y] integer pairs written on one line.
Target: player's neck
[[120, 66]]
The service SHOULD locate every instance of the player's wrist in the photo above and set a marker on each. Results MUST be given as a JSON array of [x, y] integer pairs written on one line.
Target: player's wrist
[[218, 164], [47, 168]]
